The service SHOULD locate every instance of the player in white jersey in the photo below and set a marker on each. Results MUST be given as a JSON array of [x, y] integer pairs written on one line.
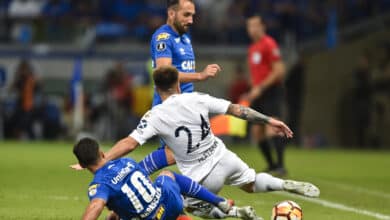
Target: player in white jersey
[[182, 121]]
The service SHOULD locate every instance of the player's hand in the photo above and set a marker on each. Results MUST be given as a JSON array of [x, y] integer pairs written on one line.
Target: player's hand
[[76, 167], [280, 128], [210, 71], [255, 93]]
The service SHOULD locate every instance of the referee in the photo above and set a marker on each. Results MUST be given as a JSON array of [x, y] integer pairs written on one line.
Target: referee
[[267, 73]]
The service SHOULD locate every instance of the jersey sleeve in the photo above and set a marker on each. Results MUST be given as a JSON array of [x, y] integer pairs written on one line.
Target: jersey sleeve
[[214, 105], [145, 129], [98, 191], [162, 45], [274, 51]]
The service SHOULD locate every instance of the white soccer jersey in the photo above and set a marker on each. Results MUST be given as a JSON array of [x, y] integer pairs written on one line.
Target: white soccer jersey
[[182, 121]]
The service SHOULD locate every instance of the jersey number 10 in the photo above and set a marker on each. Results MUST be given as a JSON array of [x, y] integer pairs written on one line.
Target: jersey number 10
[[143, 186]]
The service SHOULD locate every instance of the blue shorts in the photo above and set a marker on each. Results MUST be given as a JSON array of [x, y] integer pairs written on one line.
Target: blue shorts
[[171, 201]]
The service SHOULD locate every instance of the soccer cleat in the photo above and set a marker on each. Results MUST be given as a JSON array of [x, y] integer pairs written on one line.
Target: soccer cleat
[[226, 205], [248, 213], [302, 188]]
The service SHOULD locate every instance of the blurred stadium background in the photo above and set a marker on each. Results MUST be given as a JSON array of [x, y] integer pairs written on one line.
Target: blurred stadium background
[[337, 52]]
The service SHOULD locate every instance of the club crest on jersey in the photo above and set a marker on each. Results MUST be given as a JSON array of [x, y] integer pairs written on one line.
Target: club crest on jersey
[[163, 36], [92, 189], [142, 124], [161, 46]]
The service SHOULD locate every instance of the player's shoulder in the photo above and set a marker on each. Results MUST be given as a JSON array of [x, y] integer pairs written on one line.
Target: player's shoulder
[[127, 162], [92, 189], [269, 40], [162, 34], [150, 116], [194, 96]]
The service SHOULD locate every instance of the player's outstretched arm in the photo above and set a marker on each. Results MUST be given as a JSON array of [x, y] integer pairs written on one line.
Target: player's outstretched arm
[[210, 71], [121, 148], [251, 115], [94, 209]]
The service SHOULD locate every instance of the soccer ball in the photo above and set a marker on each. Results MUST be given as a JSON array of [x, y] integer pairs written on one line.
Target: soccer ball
[[287, 210]]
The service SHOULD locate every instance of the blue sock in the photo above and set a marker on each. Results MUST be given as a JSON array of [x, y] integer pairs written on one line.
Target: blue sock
[[190, 188], [154, 161]]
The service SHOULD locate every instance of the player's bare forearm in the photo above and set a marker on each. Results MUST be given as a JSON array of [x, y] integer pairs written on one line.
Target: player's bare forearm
[[253, 116], [189, 77], [121, 148], [276, 75], [247, 114], [183, 77], [94, 209]]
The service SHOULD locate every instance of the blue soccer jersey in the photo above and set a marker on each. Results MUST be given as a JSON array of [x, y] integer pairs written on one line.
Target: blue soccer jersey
[[129, 192], [167, 43]]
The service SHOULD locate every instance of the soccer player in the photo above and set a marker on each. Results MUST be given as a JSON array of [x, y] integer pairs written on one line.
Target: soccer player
[[267, 74], [171, 45], [182, 121], [124, 187]]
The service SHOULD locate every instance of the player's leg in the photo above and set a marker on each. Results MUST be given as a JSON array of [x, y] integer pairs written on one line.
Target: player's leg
[[258, 133], [273, 105], [190, 188], [250, 181], [214, 182], [171, 200], [158, 159]]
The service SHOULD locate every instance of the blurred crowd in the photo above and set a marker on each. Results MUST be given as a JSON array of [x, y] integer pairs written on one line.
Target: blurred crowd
[[216, 21], [366, 104], [29, 111]]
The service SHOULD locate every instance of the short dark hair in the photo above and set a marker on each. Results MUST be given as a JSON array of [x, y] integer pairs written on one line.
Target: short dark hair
[[87, 152], [165, 77], [171, 3], [255, 15]]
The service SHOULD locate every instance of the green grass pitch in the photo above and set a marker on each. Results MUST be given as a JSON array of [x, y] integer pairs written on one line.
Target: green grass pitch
[[36, 183]]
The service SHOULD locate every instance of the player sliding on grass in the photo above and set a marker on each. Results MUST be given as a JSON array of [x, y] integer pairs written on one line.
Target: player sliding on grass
[[182, 121], [124, 187]]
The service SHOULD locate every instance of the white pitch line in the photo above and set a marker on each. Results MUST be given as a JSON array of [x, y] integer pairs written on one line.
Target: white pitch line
[[355, 188], [338, 206]]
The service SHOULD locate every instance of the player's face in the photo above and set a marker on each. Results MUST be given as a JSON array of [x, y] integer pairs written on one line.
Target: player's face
[[183, 16], [255, 28]]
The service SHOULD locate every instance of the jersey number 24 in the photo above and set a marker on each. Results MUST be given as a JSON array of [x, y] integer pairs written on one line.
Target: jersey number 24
[[204, 126]]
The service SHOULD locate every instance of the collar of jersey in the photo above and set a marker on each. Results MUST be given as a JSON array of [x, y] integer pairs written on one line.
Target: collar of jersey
[[171, 31], [103, 167]]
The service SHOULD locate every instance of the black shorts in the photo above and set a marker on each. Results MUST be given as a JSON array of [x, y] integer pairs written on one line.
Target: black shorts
[[270, 101]]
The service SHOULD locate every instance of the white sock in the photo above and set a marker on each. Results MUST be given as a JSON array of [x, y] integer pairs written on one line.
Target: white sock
[[265, 182]]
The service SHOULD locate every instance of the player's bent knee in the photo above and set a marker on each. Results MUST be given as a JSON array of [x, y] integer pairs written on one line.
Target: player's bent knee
[[167, 173]]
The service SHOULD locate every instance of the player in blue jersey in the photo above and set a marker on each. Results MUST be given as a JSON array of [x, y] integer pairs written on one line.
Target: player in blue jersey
[[171, 46], [125, 188]]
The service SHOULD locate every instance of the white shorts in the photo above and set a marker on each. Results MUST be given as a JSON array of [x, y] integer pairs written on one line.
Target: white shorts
[[230, 170]]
